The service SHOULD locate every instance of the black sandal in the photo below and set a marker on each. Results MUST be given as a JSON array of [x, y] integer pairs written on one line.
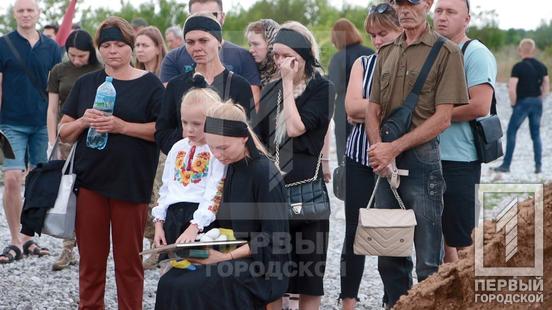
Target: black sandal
[[36, 251], [7, 252]]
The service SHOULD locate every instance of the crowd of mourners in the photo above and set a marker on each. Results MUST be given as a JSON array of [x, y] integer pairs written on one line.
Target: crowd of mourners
[[211, 141]]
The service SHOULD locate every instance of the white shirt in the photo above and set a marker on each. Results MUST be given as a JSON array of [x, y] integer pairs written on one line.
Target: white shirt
[[191, 174]]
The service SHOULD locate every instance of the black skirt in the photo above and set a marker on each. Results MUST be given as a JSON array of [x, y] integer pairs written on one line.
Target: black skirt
[[211, 287], [177, 220]]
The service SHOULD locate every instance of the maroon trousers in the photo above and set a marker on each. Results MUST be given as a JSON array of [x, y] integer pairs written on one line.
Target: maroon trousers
[[97, 215]]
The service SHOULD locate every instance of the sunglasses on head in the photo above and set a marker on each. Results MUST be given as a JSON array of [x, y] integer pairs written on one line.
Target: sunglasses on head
[[413, 2], [380, 8]]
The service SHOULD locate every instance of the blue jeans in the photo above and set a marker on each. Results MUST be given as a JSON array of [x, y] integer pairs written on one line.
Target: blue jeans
[[525, 108], [422, 191], [28, 143]]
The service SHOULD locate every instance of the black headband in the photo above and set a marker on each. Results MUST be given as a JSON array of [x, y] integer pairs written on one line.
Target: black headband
[[296, 42], [224, 127], [112, 34], [229, 128], [203, 23]]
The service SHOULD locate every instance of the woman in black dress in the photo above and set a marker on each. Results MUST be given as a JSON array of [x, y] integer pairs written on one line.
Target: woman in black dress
[[254, 207], [293, 120], [203, 35]]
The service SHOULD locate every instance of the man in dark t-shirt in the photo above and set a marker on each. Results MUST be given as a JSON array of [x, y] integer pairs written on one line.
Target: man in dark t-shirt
[[234, 57], [529, 84]]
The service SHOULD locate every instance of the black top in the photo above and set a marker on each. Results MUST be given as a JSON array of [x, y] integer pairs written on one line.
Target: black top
[[169, 128], [255, 206], [315, 105], [530, 73], [125, 168], [341, 65]]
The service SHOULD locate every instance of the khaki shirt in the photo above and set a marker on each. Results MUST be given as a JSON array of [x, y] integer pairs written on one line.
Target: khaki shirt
[[398, 66]]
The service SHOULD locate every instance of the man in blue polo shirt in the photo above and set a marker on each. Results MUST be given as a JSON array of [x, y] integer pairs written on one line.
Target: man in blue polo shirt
[[234, 58], [26, 57], [461, 166]]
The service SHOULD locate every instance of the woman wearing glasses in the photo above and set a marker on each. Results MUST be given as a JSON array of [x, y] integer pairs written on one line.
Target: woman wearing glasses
[[382, 24]]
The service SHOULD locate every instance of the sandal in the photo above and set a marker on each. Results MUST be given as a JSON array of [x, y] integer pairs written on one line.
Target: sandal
[[7, 252], [36, 251]]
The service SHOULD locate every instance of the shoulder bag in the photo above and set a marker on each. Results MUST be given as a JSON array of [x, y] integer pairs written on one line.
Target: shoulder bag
[[487, 131], [308, 199], [398, 122], [385, 232]]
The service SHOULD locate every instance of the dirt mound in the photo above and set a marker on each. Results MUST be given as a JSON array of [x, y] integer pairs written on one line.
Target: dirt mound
[[453, 286]]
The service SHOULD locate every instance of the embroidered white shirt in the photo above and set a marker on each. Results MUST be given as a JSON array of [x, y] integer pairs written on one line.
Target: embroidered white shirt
[[191, 174]]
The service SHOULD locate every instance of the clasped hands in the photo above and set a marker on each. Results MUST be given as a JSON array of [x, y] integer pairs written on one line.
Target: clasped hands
[[381, 156], [102, 122]]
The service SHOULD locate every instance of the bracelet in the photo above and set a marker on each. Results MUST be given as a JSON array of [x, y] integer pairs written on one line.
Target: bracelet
[[231, 256], [324, 159], [157, 220]]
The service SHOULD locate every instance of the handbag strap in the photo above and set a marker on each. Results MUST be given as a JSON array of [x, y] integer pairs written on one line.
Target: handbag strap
[[393, 190], [277, 161], [70, 160], [412, 98]]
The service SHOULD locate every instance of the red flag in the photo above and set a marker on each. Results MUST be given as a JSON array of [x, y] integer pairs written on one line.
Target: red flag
[[67, 24]]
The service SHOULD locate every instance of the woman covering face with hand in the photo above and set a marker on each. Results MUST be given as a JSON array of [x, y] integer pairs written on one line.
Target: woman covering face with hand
[[293, 120]]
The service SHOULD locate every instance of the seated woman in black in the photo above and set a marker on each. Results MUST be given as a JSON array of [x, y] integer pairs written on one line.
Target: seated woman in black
[[203, 35], [254, 207]]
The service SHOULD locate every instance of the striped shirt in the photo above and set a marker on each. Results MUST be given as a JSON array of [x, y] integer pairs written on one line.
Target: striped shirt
[[357, 142]]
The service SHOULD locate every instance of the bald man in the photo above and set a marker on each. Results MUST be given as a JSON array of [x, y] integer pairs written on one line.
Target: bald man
[[26, 58], [529, 84]]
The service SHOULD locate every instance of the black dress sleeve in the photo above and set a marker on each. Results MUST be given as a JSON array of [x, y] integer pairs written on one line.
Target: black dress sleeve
[[318, 109], [241, 94], [166, 127]]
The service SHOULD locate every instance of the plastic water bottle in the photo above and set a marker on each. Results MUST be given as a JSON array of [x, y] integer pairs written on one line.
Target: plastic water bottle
[[105, 102]]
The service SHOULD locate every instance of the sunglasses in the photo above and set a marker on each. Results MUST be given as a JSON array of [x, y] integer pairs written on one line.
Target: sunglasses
[[380, 8]]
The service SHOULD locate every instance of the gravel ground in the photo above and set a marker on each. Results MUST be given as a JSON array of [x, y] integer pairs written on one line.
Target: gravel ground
[[30, 283]]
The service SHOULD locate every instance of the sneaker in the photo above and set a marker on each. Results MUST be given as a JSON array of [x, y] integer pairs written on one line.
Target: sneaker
[[501, 169], [64, 260]]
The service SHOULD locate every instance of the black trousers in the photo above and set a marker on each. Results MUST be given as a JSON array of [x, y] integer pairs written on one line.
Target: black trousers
[[360, 181]]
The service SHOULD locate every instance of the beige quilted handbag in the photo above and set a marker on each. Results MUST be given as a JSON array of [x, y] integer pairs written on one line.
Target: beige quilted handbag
[[385, 232]]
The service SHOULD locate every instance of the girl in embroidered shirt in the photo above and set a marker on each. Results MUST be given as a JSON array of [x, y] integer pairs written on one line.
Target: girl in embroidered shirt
[[192, 178]]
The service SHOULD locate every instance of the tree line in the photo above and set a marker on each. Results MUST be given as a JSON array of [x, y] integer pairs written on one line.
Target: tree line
[[318, 15]]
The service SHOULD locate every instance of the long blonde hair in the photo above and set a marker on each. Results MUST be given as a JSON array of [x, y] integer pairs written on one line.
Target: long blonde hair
[[233, 112]]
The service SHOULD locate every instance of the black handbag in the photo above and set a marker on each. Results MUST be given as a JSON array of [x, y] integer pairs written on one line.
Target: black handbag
[[487, 131], [339, 182], [398, 122], [308, 199]]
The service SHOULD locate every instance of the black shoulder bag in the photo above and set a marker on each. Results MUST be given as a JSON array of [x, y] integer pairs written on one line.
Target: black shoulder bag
[[487, 131], [398, 122]]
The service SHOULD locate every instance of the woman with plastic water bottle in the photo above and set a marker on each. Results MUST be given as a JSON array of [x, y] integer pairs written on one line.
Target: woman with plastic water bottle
[[111, 114]]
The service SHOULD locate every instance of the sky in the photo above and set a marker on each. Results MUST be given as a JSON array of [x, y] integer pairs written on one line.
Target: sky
[[511, 14]]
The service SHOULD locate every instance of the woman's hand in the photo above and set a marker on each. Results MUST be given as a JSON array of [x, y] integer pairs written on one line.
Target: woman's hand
[[326, 170], [90, 116], [189, 235], [108, 124], [214, 258], [289, 68], [159, 236]]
